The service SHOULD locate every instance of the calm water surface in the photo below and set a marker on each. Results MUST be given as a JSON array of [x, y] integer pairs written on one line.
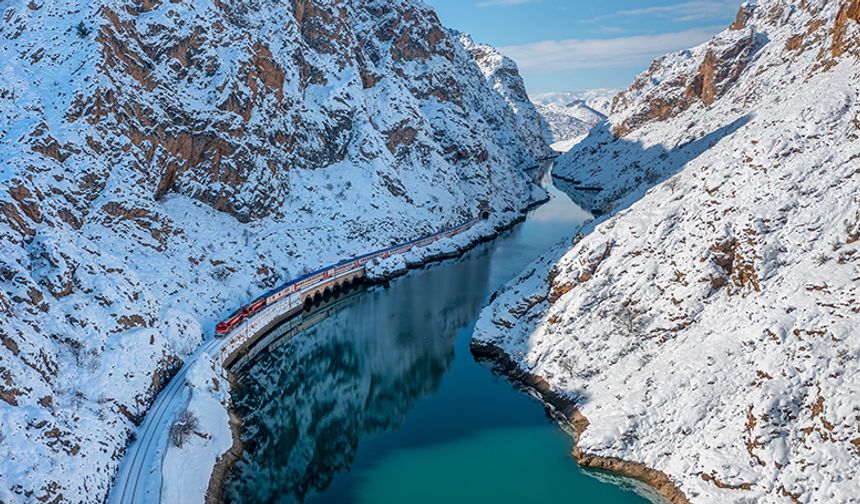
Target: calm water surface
[[382, 402]]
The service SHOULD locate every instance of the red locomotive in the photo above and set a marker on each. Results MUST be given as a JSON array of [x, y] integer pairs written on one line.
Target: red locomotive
[[237, 316], [231, 321]]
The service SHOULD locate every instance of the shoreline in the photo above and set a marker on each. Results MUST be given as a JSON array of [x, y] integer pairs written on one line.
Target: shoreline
[[225, 463], [382, 278], [565, 411], [577, 184], [222, 467]]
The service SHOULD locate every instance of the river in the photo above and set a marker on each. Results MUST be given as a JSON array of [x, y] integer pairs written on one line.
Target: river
[[382, 403]]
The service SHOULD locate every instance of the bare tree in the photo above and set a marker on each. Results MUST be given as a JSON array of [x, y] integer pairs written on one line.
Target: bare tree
[[629, 320], [569, 364], [652, 176], [185, 425], [82, 30], [672, 184]]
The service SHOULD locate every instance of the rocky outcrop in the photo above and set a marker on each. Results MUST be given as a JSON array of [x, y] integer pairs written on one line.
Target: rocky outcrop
[[707, 72], [742, 16], [503, 75], [721, 63], [846, 32]]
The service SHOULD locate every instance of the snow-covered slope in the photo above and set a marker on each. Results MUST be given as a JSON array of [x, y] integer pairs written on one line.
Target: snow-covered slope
[[503, 75], [164, 162], [708, 328], [571, 116]]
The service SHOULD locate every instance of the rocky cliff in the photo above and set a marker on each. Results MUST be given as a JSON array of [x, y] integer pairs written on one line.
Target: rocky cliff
[[705, 328], [503, 75], [164, 162]]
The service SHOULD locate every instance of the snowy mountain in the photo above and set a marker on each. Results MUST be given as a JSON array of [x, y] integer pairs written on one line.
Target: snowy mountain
[[571, 116], [702, 335], [503, 75], [569, 124], [162, 163], [598, 99]]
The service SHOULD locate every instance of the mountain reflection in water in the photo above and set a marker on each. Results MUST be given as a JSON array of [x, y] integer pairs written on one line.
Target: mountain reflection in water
[[307, 403]]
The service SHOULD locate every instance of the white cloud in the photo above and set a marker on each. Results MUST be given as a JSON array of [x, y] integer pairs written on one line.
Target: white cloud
[[504, 3], [620, 52], [695, 10]]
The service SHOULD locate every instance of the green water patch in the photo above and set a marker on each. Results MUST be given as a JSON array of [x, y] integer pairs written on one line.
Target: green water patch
[[509, 465]]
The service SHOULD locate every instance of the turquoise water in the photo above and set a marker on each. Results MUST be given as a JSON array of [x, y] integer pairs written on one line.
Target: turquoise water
[[381, 402], [514, 464]]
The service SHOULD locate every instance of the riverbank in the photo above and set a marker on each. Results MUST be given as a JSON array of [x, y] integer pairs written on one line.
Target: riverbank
[[215, 489], [564, 410], [383, 398], [150, 477], [392, 268]]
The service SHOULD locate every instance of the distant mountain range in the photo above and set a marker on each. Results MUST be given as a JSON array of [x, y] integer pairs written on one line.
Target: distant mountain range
[[570, 116]]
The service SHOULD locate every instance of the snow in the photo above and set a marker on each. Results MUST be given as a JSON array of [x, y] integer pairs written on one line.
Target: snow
[[503, 75], [570, 116], [599, 99], [184, 469], [707, 322], [152, 464], [566, 145]]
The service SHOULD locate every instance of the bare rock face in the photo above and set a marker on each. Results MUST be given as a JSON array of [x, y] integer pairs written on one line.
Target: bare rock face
[[845, 33], [721, 62], [706, 323], [676, 82], [168, 161], [719, 71], [693, 81], [214, 113], [742, 16]]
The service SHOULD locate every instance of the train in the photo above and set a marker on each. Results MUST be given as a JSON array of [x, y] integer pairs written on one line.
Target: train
[[310, 280]]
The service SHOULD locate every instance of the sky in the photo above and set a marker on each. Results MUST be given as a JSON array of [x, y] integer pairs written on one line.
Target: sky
[[575, 45]]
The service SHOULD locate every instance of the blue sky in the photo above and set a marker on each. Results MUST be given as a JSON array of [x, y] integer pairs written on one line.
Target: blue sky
[[573, 45]]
